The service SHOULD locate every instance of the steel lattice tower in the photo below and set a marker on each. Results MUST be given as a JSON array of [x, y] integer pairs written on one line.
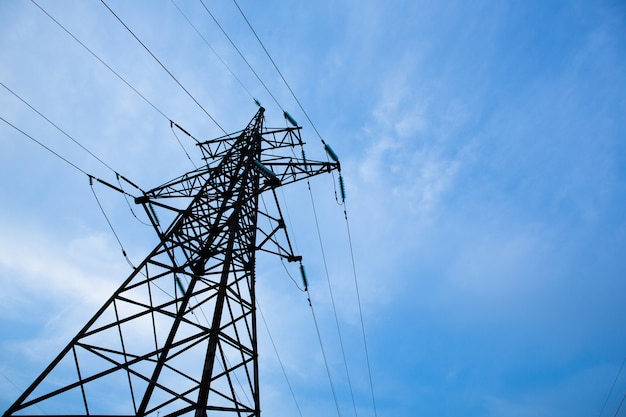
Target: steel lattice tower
[[179, 335]]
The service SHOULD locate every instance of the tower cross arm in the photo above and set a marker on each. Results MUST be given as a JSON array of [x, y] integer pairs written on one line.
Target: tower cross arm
[[186, 185], [290, 170]]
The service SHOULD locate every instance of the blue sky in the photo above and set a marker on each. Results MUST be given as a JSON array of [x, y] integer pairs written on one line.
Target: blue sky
[[483, 151]]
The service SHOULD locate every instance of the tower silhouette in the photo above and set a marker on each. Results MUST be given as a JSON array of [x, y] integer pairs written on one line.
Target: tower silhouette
[[179, 336]]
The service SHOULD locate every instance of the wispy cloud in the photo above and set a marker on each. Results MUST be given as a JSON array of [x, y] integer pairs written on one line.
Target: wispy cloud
[[56, 281]]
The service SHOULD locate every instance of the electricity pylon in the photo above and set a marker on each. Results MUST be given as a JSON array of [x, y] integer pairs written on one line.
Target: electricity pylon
[[179, 336]]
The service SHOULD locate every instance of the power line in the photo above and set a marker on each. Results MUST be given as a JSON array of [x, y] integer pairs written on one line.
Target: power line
[[67, 161], [241, 55], [128, 203], [319, 338], [58, 128], [278, 70], [11, 382], [112, 70], [282, 367], [101, 61], [213, 49], [181, 145], [333, 156], [117, 174], [109, 222], [19, 390], [620, 405], [613, 386], [163, 66], [358, 296], [332, 298], [44, 146]]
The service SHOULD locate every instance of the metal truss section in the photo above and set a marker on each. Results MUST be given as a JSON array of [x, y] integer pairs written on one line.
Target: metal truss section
[[178, 338]]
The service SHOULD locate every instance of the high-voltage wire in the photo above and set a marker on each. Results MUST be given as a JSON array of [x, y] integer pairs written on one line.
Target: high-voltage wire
[[241, 55], [111, 69], [332, 155], [163, 66], [58, 128], [282, 367], [181, 145], [278, 70], [213, 50], [619, 372], [117, 174], [620, 405], [18, 389], [101, 61], [358, 296], [319, 338], [67, 161], [91, 177], [332, 298], [109, 222], [128, 203]]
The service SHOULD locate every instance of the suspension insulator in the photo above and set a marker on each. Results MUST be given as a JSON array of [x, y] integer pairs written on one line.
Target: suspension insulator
[[266, 172], [306, 167], [180, 284], [257, 102], [290, 119], [331, 153], [342, 189], [305, 282], [154, 215]]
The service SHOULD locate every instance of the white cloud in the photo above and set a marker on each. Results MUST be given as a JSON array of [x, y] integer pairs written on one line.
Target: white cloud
[[59, 282]]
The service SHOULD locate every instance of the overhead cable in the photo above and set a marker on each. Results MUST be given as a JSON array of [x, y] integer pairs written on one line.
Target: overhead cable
[[358, 296], [73, 165], [332, 298], [110, 69], [319, 338], [163, 66], [44, 146], [280, 362], [181, 144], [241, 55], [128, 203], [58, 128], [278, 70], [117, 174], [213, 50], [19, 389], [101, 61], [620, 405], [109, 222], [619, 372]]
